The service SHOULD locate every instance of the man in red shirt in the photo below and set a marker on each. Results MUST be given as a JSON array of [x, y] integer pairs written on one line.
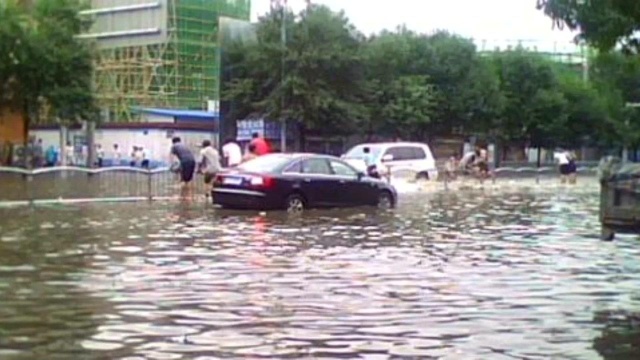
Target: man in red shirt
[[261, 145]]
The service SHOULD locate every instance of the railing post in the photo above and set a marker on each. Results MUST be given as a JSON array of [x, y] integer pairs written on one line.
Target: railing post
[[28, 185], [149, 185]]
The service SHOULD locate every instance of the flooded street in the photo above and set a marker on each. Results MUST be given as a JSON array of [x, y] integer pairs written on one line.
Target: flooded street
[[517, 273]]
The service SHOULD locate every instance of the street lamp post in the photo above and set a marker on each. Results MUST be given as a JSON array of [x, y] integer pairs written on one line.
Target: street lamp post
[[282, 5]]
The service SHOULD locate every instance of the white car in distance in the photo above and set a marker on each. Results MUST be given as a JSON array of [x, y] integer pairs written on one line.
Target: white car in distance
[[395, 157]]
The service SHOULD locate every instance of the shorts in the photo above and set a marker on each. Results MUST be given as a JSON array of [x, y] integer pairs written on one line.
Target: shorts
[[187, 169], [208, 177], [568, 169], [483, 166]]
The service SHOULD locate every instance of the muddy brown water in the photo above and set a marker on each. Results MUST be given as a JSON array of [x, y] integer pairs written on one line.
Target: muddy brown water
[[476, 274]]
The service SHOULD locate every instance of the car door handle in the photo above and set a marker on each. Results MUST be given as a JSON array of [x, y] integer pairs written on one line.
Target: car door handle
[[307, 180], [343, 181]]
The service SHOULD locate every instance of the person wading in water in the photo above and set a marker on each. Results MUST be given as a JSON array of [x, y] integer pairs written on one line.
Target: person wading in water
[[209, 165], [187, 166]]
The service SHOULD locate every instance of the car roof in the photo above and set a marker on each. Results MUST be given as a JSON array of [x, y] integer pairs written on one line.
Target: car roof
[[301, 155], [389, 144], [311, 155]]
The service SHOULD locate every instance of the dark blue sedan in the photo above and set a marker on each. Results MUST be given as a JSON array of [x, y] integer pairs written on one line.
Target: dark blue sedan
[[295, 182]]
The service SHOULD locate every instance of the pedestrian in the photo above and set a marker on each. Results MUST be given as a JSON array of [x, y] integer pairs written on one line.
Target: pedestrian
[[451, 166], [370, 166], [482, 162], [564, 165], [251, 153], [209, 165], [143, 158], [136, 156], [70, 154], [37, 154], [467, 162], [99, 155], [116, 155], [187, 166], [51, 156], [261, 145], [232, 153]]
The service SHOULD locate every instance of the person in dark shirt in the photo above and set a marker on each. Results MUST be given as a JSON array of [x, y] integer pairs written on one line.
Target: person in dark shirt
[[187, 164]]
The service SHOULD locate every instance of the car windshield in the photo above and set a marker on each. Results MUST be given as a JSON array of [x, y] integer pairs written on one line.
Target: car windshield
[[265, 163], [357, 152]]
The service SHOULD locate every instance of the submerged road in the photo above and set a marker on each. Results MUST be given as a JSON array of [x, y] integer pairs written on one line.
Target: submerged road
[[516, 273]]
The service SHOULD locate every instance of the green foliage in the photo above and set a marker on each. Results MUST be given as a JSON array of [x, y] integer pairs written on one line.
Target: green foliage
[[619, 78], [401, 83], [41, 63], [603, 23], [319, 81]]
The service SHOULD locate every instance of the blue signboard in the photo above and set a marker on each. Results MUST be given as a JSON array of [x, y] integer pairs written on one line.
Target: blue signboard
[[268, 129]]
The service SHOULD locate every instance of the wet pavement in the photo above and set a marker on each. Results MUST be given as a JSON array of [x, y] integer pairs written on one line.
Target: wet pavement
[[512, 273]]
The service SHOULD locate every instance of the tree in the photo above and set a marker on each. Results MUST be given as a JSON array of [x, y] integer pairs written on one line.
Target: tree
[[322, 76], [602, 23], [618, 78], [467, 91], [533, 102], [400, 99], [42, 63], [408, 108], [587, 112], [458, 90]]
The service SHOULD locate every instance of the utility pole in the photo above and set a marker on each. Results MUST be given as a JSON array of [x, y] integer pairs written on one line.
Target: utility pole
[[283, 39]]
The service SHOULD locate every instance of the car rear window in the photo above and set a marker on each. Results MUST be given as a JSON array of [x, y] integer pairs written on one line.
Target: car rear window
[[265, 163]]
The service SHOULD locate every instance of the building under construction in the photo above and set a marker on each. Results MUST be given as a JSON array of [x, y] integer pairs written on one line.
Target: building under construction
[[159, 53]]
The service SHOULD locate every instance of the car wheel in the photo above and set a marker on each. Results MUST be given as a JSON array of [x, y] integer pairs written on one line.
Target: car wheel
[[422, 176], [385, 200], [295, 204]]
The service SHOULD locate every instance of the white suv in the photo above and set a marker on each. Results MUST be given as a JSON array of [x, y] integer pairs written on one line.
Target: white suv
[[394, 157]]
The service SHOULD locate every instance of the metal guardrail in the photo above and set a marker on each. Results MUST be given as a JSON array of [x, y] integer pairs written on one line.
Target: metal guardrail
[[70, 184]]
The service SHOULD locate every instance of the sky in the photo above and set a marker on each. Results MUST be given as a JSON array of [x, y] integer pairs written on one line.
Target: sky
[[498, 22]]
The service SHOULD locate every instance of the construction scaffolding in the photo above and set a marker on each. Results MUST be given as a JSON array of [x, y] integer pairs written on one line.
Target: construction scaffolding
[[158, 53]]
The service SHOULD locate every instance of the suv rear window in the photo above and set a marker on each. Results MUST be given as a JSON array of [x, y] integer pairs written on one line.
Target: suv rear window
[[401, 153]]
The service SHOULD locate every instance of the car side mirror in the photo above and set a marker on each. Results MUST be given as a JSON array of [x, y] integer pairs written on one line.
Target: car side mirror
[[387, 158], [361, 175]]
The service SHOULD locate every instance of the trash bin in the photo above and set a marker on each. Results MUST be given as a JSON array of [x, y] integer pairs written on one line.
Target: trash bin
[[619, 198]]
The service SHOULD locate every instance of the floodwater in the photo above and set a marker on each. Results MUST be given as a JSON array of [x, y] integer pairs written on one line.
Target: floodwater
[[513, 273]]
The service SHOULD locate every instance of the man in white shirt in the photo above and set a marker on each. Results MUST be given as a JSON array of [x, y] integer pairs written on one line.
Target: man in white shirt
[[209, 164], [567, 165], [232, 153]]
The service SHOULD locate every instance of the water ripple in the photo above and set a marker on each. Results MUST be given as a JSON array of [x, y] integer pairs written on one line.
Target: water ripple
[[474, 274]]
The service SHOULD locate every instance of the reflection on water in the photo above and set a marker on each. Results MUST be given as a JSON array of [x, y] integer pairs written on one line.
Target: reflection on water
[[477, 274]]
